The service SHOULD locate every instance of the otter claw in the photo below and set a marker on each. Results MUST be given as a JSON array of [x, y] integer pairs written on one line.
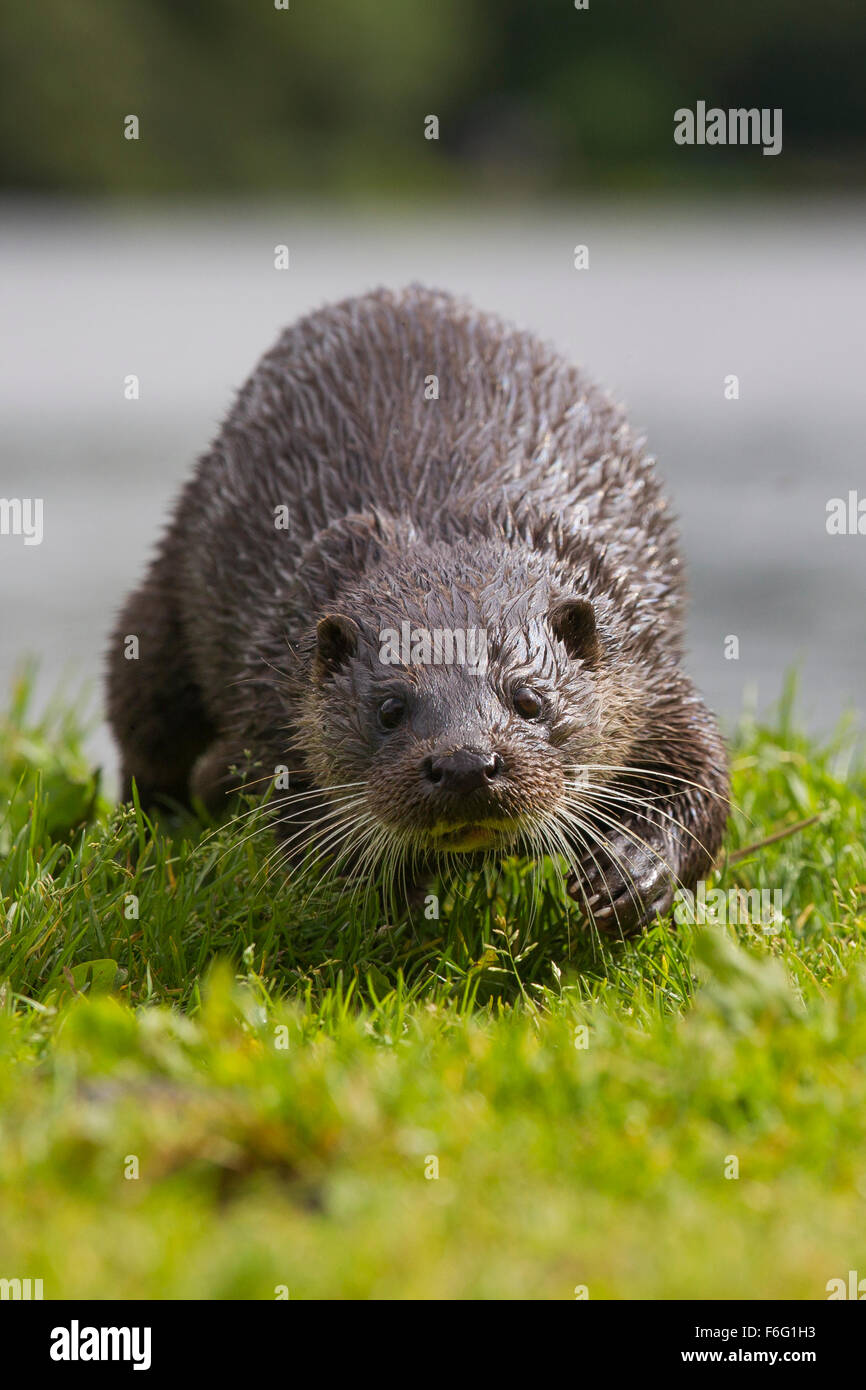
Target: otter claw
[[622, 888]]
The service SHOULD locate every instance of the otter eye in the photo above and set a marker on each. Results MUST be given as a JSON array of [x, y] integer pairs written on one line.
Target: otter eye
[[391, 712], [527, 703]]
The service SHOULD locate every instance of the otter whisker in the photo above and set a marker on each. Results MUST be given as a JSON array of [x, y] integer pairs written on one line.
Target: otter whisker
[[539, 847], [370, 850], [563, 850], [547, 847], [587, 796], [641, 772], [272, 808], [237, 844], [281, 810], [362, 849], [320, 836], [558, 837], [569, 817], [634, 839], [285, 861], [317, 791], [401, 865], [301, 816], [533, 842], [606, 794], [285, 678], [310, 829], [542, 845], [613, 824], [407, 862], [592, 807], [366, 841], [385, 871], [361, 820]]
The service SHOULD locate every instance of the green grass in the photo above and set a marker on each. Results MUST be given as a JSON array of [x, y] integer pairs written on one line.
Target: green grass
[[281, 1067]]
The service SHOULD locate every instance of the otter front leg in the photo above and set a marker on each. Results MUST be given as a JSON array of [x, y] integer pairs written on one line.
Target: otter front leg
[[622, 880], [657, 827], [154, 704], [221, 773]]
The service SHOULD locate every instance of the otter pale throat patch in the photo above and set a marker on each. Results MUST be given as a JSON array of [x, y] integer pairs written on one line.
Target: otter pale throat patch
[[463, 839]]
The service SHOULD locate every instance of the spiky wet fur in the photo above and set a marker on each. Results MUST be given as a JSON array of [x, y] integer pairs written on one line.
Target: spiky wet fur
[[520, 484]]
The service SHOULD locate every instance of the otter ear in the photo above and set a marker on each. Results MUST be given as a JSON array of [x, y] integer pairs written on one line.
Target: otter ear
[[336, 641], [573, 622]]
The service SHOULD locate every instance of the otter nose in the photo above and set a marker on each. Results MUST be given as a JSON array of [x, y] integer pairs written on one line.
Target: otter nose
[[463, 770]]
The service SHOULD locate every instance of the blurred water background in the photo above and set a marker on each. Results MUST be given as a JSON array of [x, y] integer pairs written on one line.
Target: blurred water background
[[305, 128]]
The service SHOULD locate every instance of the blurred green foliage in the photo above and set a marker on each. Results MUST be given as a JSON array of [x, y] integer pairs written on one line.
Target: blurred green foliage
[[330, 96]]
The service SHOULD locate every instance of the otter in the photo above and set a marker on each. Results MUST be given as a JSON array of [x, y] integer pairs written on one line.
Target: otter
[[425, 578]]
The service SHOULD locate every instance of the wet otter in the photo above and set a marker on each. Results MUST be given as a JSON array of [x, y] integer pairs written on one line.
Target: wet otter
[[399, 471]]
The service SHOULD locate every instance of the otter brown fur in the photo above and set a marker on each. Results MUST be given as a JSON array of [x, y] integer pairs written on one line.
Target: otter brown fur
[[516, 503]]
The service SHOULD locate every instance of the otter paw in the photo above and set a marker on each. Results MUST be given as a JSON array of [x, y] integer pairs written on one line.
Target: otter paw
[[622, 886]]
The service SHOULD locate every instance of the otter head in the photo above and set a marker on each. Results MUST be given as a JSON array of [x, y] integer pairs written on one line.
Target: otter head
[[458, 692]]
